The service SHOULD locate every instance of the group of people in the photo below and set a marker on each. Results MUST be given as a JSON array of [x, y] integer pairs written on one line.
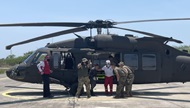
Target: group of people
[[88, 75], [124, 75]]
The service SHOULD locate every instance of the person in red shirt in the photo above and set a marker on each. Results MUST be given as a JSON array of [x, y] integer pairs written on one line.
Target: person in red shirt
[[44, 70]]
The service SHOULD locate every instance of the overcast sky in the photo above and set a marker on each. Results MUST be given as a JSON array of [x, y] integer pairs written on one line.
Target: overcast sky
[[16, 11]]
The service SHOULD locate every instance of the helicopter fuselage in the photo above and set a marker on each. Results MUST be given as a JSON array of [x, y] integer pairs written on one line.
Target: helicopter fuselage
[[151, 59]]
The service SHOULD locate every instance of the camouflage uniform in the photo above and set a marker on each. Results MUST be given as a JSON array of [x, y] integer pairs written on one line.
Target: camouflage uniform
[[121, 82], [83, 78], [129, 81]]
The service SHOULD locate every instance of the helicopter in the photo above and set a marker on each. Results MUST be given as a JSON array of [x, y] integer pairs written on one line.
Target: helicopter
[[152, 60]]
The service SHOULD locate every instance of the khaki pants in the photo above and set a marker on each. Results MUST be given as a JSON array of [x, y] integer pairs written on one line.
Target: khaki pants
[[120, 87], [81, 81]]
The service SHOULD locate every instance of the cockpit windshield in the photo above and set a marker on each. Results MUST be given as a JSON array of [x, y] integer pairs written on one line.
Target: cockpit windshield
[[29, 57]]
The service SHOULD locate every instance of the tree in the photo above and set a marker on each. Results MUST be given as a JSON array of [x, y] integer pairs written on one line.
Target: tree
[[12, 59], [10, 56]]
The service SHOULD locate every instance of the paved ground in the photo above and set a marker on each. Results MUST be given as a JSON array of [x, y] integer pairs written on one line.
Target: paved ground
[[15, 94]]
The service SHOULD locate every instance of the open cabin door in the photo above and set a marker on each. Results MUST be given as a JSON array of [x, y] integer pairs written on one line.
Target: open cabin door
[[63, 66]]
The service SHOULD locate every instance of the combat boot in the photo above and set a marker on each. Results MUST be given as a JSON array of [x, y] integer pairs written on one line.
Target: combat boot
[[88, 96], [116, 97], [77, 96]]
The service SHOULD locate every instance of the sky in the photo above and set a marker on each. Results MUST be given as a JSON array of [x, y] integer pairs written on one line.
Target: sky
[[23, 11]]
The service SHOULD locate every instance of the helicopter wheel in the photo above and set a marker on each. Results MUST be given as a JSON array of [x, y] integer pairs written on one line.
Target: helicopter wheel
[[73, 89]]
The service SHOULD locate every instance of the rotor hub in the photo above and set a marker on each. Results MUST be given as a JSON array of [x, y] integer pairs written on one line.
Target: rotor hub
[[99, 24]]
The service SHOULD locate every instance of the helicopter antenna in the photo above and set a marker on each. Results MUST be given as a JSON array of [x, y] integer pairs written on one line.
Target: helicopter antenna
[[11, 52]]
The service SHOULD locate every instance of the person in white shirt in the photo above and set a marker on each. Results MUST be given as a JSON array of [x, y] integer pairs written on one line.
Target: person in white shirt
[[44, 70], [108, 77]]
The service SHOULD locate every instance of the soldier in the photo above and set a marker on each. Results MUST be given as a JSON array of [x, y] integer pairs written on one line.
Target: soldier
[[93, 78], [83, 77], [121, 78], [129, 81]]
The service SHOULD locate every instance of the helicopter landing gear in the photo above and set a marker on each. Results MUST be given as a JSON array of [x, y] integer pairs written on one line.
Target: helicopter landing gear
[[73, 89]]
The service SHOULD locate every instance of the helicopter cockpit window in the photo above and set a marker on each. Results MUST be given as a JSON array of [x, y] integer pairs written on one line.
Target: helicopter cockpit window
[[39, 57], [29, 58], [149, 62], [131, 60]]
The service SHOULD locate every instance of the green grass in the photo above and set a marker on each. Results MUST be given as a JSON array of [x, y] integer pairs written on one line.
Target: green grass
[[2, 71]]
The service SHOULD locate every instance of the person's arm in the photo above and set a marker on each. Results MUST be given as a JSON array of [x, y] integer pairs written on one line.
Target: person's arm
[[102, 69], [126, 70], [79, 66], [89, 65], [117, 75], [40, 67]]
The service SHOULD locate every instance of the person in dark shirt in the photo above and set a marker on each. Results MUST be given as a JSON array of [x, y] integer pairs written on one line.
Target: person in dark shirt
[[93, 78]]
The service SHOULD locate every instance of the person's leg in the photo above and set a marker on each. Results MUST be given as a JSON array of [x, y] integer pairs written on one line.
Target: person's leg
[[111, 85], [93, 84], [120, 88], [80, 84], [130, 87], [87, 84], [106, 85], [46, 88], [44, 85]]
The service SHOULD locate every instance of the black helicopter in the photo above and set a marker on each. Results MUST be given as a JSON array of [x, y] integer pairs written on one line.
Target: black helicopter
[[151, 58]]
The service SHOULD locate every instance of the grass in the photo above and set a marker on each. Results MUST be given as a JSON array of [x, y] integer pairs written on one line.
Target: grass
[[2, 71]]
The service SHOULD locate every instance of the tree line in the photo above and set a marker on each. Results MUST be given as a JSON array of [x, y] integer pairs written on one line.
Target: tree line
[[11, 60]]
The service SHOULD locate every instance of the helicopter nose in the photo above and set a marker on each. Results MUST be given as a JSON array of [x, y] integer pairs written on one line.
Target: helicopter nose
[[8, 73], [14, 73]]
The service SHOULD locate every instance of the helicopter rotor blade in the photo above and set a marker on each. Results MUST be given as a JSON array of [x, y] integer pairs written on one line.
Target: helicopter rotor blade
[[90, 24], [149, 34], [78, 29], [58, 24], [151, 20]]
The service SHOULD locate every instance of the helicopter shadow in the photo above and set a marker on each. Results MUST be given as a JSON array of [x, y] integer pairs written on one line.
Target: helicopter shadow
[[139, 93], [34, 96], [32, 88], [157, 95]]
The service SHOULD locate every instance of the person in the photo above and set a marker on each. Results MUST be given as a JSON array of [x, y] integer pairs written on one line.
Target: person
[[130, 79], [44, 70], [121, 76], [93, 78], [108, 77], [83, 77]]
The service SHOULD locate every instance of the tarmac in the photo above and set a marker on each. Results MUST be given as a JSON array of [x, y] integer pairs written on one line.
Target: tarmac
[[14, 94]]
